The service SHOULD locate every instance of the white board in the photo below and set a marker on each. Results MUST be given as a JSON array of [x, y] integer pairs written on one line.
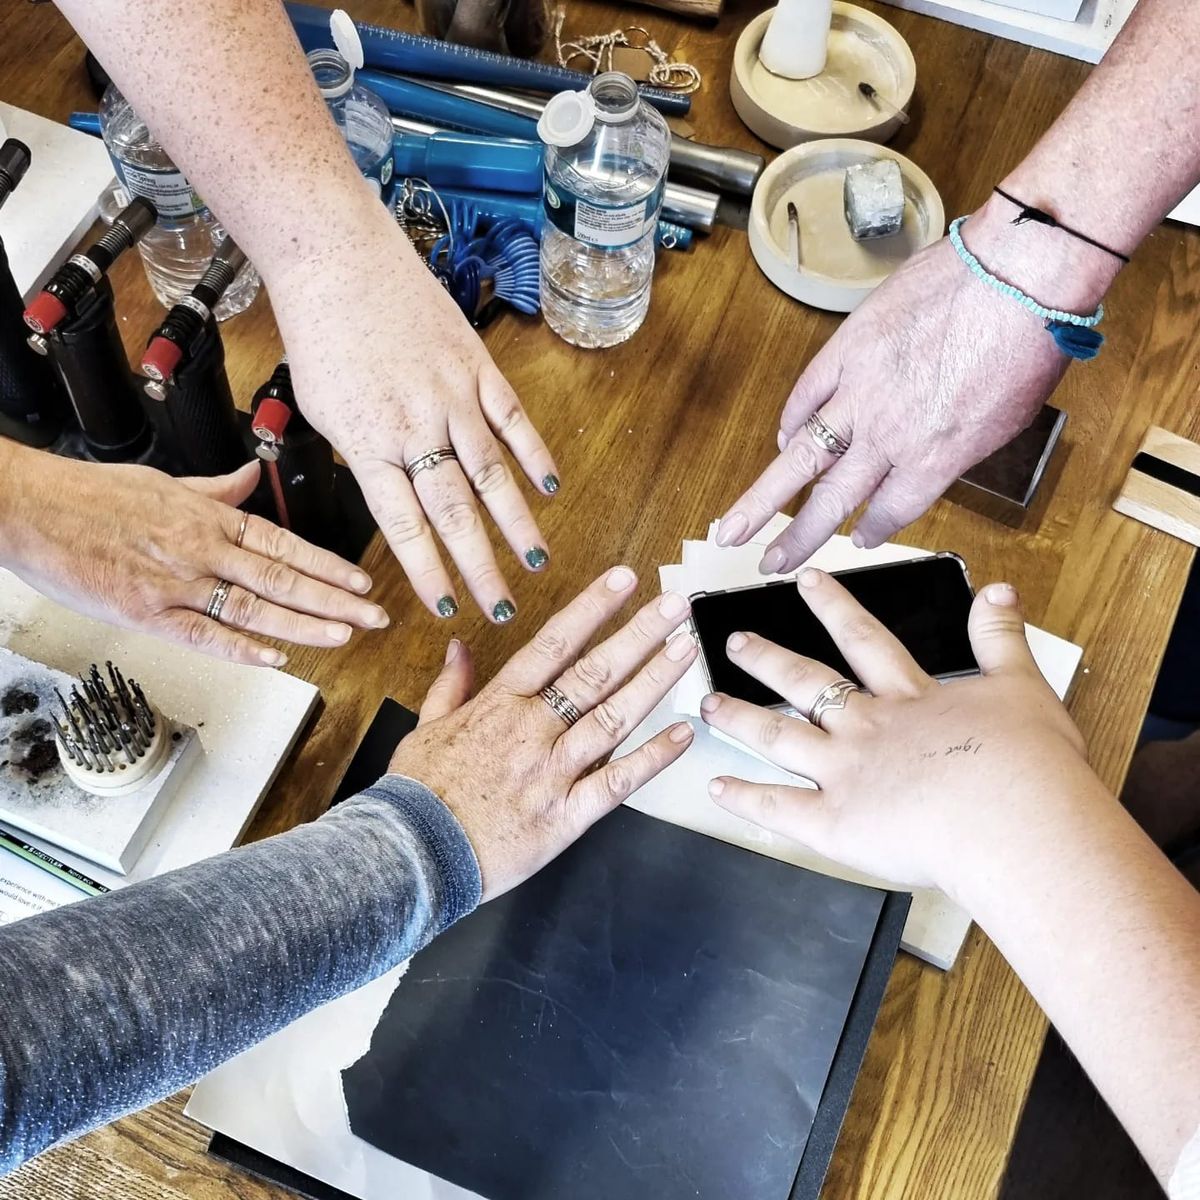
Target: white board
[[53, 206]]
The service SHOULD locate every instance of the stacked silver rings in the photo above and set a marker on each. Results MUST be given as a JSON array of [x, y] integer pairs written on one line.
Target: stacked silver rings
[[561, 703], [216, 601], [832, 697], [429, 460], [825, 436]]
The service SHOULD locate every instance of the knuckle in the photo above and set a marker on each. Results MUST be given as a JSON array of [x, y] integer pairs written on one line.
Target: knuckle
[[768, 802], [798, 673], [276, 542], [829, 504], [277, 579], [404, 528], [859, 629], [240, 609], [458, 518], [771, 729], [491, 477], [802, 458], [594, 670], [509, 414], [550, 643], [201, 635], [618, 781], [610, 719]]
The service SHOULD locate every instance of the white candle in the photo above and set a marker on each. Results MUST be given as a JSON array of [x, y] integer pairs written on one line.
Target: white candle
[[796, 40]]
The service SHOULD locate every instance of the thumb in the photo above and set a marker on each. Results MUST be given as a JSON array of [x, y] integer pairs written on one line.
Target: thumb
[[452, 687], [997, 631], [229, 489]]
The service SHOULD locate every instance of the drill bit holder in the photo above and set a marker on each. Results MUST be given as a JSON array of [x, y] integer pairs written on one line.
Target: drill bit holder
[[111, 740]]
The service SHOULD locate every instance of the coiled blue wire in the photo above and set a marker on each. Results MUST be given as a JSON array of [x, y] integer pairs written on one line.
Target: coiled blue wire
[[506, 254]]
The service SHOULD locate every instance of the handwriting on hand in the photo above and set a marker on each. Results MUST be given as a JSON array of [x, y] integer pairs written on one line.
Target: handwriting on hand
[[971, 746]]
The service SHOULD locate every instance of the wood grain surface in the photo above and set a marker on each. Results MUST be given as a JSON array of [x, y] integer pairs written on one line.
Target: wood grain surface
[[654, 439]]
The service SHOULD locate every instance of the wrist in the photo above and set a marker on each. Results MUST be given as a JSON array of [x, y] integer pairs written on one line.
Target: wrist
[[22, 469], [1048, 264]]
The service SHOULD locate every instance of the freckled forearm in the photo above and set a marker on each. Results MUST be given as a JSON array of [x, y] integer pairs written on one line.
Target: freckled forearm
[[225, 86]]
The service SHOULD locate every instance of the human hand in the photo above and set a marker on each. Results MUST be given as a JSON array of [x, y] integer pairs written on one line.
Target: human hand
[[522, 783], [932, 373], [136, 548], [387, 368], [916, 775]]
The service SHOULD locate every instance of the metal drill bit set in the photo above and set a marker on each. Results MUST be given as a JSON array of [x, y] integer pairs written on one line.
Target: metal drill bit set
[[107, 725]]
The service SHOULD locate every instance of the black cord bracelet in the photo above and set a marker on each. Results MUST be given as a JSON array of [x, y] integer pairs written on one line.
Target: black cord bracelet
[[1041, 217]]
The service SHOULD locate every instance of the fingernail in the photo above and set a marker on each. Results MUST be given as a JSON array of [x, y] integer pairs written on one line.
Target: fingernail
[[452, 651], [732, 528], [447, 606], [360, 582], [716, 787], [710, 703], [273, 658], [536, 557], [1002, 595], [781, 441], [809, 577], [619, 579], [680, 733], [504, 611], [736, 642], [858, 540], [672, 605], [379, 618], [772, 561], [337, 633], [550, 483], [678, 648]]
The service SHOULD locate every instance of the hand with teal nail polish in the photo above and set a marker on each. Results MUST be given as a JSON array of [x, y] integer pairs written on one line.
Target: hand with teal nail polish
[[525, 780]]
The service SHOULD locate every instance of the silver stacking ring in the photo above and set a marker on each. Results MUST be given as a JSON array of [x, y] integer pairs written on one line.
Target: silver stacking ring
[[825, 437], [832, 697], [241, 537], [561, 703], [216, 601], [429, 460]]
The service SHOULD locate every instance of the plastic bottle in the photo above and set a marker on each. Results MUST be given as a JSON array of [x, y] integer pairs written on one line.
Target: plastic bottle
[[177, 251], [606, 156], [362, 116]]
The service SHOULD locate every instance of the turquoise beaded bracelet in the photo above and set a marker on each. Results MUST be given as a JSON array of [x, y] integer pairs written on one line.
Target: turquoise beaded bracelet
[[1074, 335]]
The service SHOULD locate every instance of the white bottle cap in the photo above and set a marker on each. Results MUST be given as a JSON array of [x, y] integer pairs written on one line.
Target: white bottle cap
[[345, 38], [567, 119]]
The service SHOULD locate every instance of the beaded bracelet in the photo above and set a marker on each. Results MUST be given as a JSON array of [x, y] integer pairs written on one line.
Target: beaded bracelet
[[1075, 336]]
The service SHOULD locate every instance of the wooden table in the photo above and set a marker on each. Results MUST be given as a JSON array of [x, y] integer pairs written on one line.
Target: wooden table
[[654, 439]]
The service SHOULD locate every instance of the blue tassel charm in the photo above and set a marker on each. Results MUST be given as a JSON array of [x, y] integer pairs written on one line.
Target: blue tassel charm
[[1076, 341]]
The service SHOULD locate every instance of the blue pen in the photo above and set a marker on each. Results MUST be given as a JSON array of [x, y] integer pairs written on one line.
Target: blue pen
[[85, 122]]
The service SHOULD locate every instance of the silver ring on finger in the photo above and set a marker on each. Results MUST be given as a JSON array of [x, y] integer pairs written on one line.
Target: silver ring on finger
[[216, 601], [241, 534], [429, 460], [832, 697], [826, 436], [561, 704]]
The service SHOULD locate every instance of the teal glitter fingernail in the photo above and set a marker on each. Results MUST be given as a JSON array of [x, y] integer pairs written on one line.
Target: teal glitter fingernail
[[550, 483], [505, 610], [447, 606], [536, 557]]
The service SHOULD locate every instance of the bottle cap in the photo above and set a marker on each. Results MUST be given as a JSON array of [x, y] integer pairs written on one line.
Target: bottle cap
[[345, 38], [567, 119]]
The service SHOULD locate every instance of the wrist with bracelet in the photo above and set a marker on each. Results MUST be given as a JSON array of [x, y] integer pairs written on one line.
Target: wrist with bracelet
[[1056, 256]]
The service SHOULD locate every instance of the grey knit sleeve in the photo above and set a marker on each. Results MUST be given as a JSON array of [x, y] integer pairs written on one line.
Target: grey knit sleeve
[[112, 1003]]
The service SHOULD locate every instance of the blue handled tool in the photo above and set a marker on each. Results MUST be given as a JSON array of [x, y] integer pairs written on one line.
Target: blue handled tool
[[470, 160], [409, 52]]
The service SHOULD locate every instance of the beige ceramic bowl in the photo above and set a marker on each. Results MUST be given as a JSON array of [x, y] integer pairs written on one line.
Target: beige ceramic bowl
[[835, 272], [786, 112]]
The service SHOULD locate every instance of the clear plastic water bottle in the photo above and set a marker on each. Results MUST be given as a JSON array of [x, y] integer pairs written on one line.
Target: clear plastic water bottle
[[179, 248], [606, 157], [359, 113]]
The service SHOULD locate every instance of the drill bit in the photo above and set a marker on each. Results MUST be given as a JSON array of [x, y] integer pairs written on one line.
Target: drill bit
[[105, 721]]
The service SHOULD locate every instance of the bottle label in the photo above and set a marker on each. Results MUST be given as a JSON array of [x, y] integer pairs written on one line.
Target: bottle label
[[610, 226], [168, 191]]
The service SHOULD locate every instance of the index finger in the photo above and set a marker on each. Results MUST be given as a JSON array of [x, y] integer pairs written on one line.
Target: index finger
[[562, 639], [879, 659], [271, 541], [800, 461]]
